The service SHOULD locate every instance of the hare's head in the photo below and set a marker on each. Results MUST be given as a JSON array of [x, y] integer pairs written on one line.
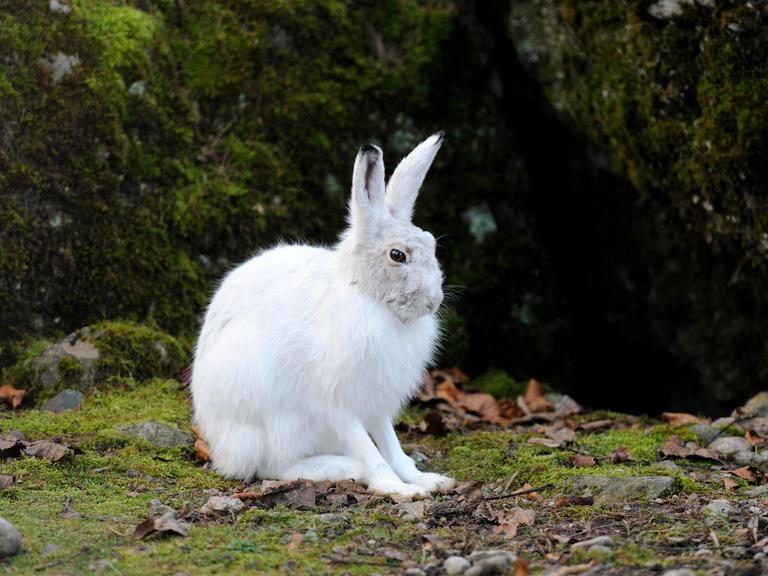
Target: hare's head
[[385, 255]]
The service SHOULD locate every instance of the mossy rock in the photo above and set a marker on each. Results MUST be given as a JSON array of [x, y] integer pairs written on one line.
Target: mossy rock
[[99, 356]]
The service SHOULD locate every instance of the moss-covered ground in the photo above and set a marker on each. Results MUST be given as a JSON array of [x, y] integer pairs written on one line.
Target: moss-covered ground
[[88, 505]]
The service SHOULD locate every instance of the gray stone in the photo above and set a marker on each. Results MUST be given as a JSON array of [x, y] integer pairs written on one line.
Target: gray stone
[[599, 551], [667, 466], [414, 572], [222, 504], [58, 7], [411, 511], [597, 541], [101, 566], [455, 565], [728, 446], [758, 491], [157, 434], [705, 432], [63, 401], [719, 508], [10, 539], [49, 549], [482, 555], [679, 572], [607, 490], [76, 346], [743, 458], [755, 406], [487, 562]]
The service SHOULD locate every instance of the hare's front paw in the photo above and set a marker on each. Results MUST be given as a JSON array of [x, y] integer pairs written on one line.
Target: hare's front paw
[[398, 489], [433, 482]]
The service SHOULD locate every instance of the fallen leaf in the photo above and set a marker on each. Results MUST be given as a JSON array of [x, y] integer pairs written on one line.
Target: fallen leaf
[[296, 540], [10, 446], [299, 494], [567, 406], [678, 419], [729, 484], [745, 473], [11, 396], [563, 436], [673, 448], [527, 490], [167, 523], [583, 461], [548, 442], [434, 424], [470, 490], [574, 569], [509, 520], [51, 451], [621, 454], [596, 425], [575, 501], [430, 542], [521, 567], [753, 439], [534, 397]]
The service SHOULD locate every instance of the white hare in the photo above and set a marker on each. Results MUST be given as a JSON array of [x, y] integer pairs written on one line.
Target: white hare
[[307, 354]]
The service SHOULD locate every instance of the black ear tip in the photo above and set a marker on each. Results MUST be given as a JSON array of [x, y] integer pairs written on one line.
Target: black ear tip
[[440, 134], [369, 149]]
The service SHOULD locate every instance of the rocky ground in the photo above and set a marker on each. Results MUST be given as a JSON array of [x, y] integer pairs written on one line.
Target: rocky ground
[[109, 481]]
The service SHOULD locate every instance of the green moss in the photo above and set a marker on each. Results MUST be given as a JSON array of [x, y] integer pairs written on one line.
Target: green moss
[[500, 384], [129, 350]]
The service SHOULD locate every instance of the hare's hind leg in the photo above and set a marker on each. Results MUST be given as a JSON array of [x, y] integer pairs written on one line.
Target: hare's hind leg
[[328, 467]]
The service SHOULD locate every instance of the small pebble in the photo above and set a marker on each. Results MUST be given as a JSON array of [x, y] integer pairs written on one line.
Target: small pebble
[[597, 541], [414, 572], [743, 458], [222, 504], [719, 507], [599, 551], [679, 572], [100, 566], [10, 539], [728, 446], [455, 565]]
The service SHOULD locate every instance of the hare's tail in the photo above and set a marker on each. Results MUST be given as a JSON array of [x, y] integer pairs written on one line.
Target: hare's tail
[[324, 468]]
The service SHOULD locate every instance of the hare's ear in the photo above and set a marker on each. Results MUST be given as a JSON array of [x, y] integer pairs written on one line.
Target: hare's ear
[[406, 180], [367, 204]]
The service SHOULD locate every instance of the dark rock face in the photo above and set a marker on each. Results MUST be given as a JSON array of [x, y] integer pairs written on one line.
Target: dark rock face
[[652, 200]]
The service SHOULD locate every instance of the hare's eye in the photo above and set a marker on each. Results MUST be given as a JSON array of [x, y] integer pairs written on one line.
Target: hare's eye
[[397, 255]]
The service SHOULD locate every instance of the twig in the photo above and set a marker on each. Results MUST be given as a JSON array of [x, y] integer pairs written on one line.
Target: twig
[[520, 492], [714, 538]]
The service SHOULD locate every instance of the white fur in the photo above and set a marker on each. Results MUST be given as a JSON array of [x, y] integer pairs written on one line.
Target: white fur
[[307, 354]]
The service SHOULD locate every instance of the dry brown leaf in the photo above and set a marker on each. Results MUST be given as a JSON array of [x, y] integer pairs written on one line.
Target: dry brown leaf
[[621, 454], [299, 494], [729, 484], [11, 396], [535, 399], [430, 542], [167, 523], [574, 569], [673, 448], [525, 489], [521, 567], [52, 451], [582, 461], [678, 419], [295, 542], [596, 425], [575, 501], [754, 439], [547, 442], [434, 424], [470, 490], [509, 520], [563, 435], [10, 446], [745, 473]]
